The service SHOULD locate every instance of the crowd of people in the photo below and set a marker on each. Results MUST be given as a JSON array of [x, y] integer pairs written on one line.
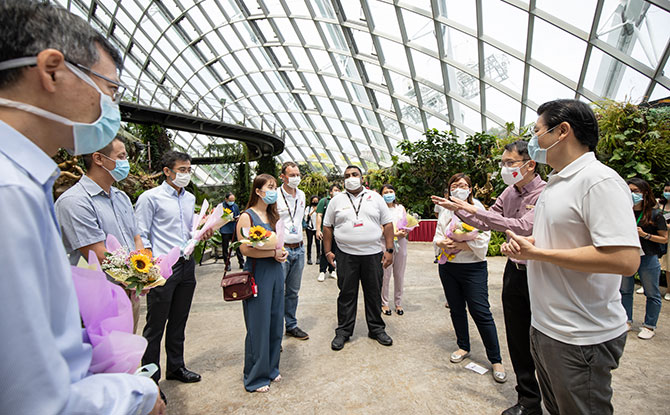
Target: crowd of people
[[573, 244]]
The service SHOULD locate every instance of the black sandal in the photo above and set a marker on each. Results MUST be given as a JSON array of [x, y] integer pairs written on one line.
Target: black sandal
[[387, 312], [400, 311]]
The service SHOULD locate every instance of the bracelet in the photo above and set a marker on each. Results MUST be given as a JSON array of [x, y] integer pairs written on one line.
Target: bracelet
[[329, 252], [648, 237]]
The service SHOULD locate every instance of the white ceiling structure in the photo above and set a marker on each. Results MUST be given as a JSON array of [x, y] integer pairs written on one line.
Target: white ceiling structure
[[343, 81]]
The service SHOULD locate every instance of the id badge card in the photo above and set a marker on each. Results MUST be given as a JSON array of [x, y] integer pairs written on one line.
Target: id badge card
[[293, 230], [358, 223]]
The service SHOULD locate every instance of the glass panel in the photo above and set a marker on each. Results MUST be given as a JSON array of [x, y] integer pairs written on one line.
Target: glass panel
[[420, 30], [542, 88], [435, 122], [633, 86], [394, 55], [557, 49], [503, 106], [504, 68], [463, 12], [286, 30], [426, 66], [468, 117], [659, 92], [505, 23], [565, 10], [363, 42], [461, 47], [384, 18]]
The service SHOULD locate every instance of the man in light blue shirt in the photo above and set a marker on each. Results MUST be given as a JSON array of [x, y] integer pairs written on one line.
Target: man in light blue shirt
[[164, 217], [44, 369], [93, 208]]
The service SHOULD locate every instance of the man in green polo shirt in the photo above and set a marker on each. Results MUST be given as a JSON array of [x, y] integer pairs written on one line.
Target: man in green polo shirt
[[324, 265]]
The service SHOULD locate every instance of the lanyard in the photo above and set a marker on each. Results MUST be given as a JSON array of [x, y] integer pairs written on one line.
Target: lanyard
[[638, 218], [295, 208], [356, 209]]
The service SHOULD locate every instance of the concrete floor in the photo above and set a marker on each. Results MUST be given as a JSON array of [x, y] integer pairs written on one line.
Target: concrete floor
[[414, 376]]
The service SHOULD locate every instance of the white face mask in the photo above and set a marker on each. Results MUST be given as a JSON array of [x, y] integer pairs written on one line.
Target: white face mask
[[182, 179], [461, 194], [512, 175], [352, 183], [294, 181]]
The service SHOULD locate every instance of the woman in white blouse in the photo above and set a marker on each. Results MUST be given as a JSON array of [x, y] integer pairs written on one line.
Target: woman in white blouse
[[465, 281]]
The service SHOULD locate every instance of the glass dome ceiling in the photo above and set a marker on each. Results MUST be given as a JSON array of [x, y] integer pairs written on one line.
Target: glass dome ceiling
[[343, 81]]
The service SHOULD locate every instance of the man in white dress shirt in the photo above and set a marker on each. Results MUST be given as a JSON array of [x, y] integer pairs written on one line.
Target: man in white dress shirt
[[291, 205]]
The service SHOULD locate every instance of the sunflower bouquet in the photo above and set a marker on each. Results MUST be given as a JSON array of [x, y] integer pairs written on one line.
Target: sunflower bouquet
[[460, 232], [138, 269], [204, 221], [258, 237]]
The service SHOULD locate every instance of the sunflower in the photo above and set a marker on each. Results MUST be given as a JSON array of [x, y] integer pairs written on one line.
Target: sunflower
[[140, 262], [468, 227], [257, 233], [227, 211]]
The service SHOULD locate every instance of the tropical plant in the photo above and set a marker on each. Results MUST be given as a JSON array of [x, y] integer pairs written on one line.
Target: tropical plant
[[314, 183], [635, 140]]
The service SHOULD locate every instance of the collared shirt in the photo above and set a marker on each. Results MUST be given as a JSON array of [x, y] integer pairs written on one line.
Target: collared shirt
[[479, 246], [291, 211], [87, 214], [229, 228], [514, 209], [585, 204], [45, 362], [165, 217], [357, 234]]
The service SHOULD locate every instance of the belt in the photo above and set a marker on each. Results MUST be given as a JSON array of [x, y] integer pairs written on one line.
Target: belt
[[293, 246], [520, 267]]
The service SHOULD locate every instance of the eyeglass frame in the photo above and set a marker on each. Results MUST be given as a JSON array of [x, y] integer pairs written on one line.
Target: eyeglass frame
[[513, 162], [121, 87]]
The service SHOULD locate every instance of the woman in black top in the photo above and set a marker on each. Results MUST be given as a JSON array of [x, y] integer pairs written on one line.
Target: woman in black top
[[652, 229], [664, 205]]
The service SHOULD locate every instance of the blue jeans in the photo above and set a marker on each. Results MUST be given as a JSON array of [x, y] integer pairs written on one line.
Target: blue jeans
[[467, 284], [293, 267], [649, 271]]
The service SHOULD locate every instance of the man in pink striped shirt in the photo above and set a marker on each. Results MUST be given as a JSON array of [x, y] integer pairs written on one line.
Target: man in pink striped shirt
[[514, 209]]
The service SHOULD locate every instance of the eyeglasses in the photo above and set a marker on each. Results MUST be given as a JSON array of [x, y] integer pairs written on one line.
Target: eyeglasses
[[119, 88], [510, 163], [182, 170]]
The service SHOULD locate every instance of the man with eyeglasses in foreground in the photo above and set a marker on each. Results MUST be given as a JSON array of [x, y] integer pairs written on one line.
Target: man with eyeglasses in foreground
[[584, 239], [164, 218], [50, 98], [514, 209]]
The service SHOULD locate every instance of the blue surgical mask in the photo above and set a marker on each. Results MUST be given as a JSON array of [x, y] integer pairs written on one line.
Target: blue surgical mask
[[270, 197], [230, 203], [637, 198], [88, 138], [666, 195], [389, 197], [121, 170], [537, 153]]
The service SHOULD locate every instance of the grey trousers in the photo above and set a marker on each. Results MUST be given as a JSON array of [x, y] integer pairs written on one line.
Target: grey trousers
[[576, 379]]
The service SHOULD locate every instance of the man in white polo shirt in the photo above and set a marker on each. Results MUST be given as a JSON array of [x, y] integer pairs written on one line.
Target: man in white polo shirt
[[584, 239], [355, 219]]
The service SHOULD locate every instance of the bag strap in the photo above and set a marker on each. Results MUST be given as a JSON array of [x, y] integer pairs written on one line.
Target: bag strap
[[230, 251]]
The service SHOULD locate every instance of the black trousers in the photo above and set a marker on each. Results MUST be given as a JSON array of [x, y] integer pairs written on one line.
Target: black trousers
[[516, 308], [311, 236], [350, 270], [323, 262], [226, 239], [170, 303]]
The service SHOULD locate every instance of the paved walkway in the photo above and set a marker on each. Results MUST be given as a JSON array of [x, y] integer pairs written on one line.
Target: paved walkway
[[414, 376]]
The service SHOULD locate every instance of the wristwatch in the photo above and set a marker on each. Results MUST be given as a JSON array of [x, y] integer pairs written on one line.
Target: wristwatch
[[389, 250]]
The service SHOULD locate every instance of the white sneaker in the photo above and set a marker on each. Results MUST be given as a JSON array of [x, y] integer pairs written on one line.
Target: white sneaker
[[667, 296], [640, 290], [646, 333], [332, 275], [321, 277]]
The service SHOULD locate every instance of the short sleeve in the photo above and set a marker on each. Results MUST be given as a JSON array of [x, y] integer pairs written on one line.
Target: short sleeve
[[607, 214], [78, 222], [659, 222], [321, 207], [329, 216], [385, 213]]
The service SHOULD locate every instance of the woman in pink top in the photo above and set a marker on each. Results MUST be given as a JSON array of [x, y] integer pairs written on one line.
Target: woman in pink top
[[399, 256]]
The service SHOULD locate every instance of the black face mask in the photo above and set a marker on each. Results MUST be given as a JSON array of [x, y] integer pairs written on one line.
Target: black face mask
[[315, 203]]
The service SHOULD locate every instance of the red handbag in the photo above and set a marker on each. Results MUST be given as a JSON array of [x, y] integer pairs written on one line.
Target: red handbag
[[239, 285]]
